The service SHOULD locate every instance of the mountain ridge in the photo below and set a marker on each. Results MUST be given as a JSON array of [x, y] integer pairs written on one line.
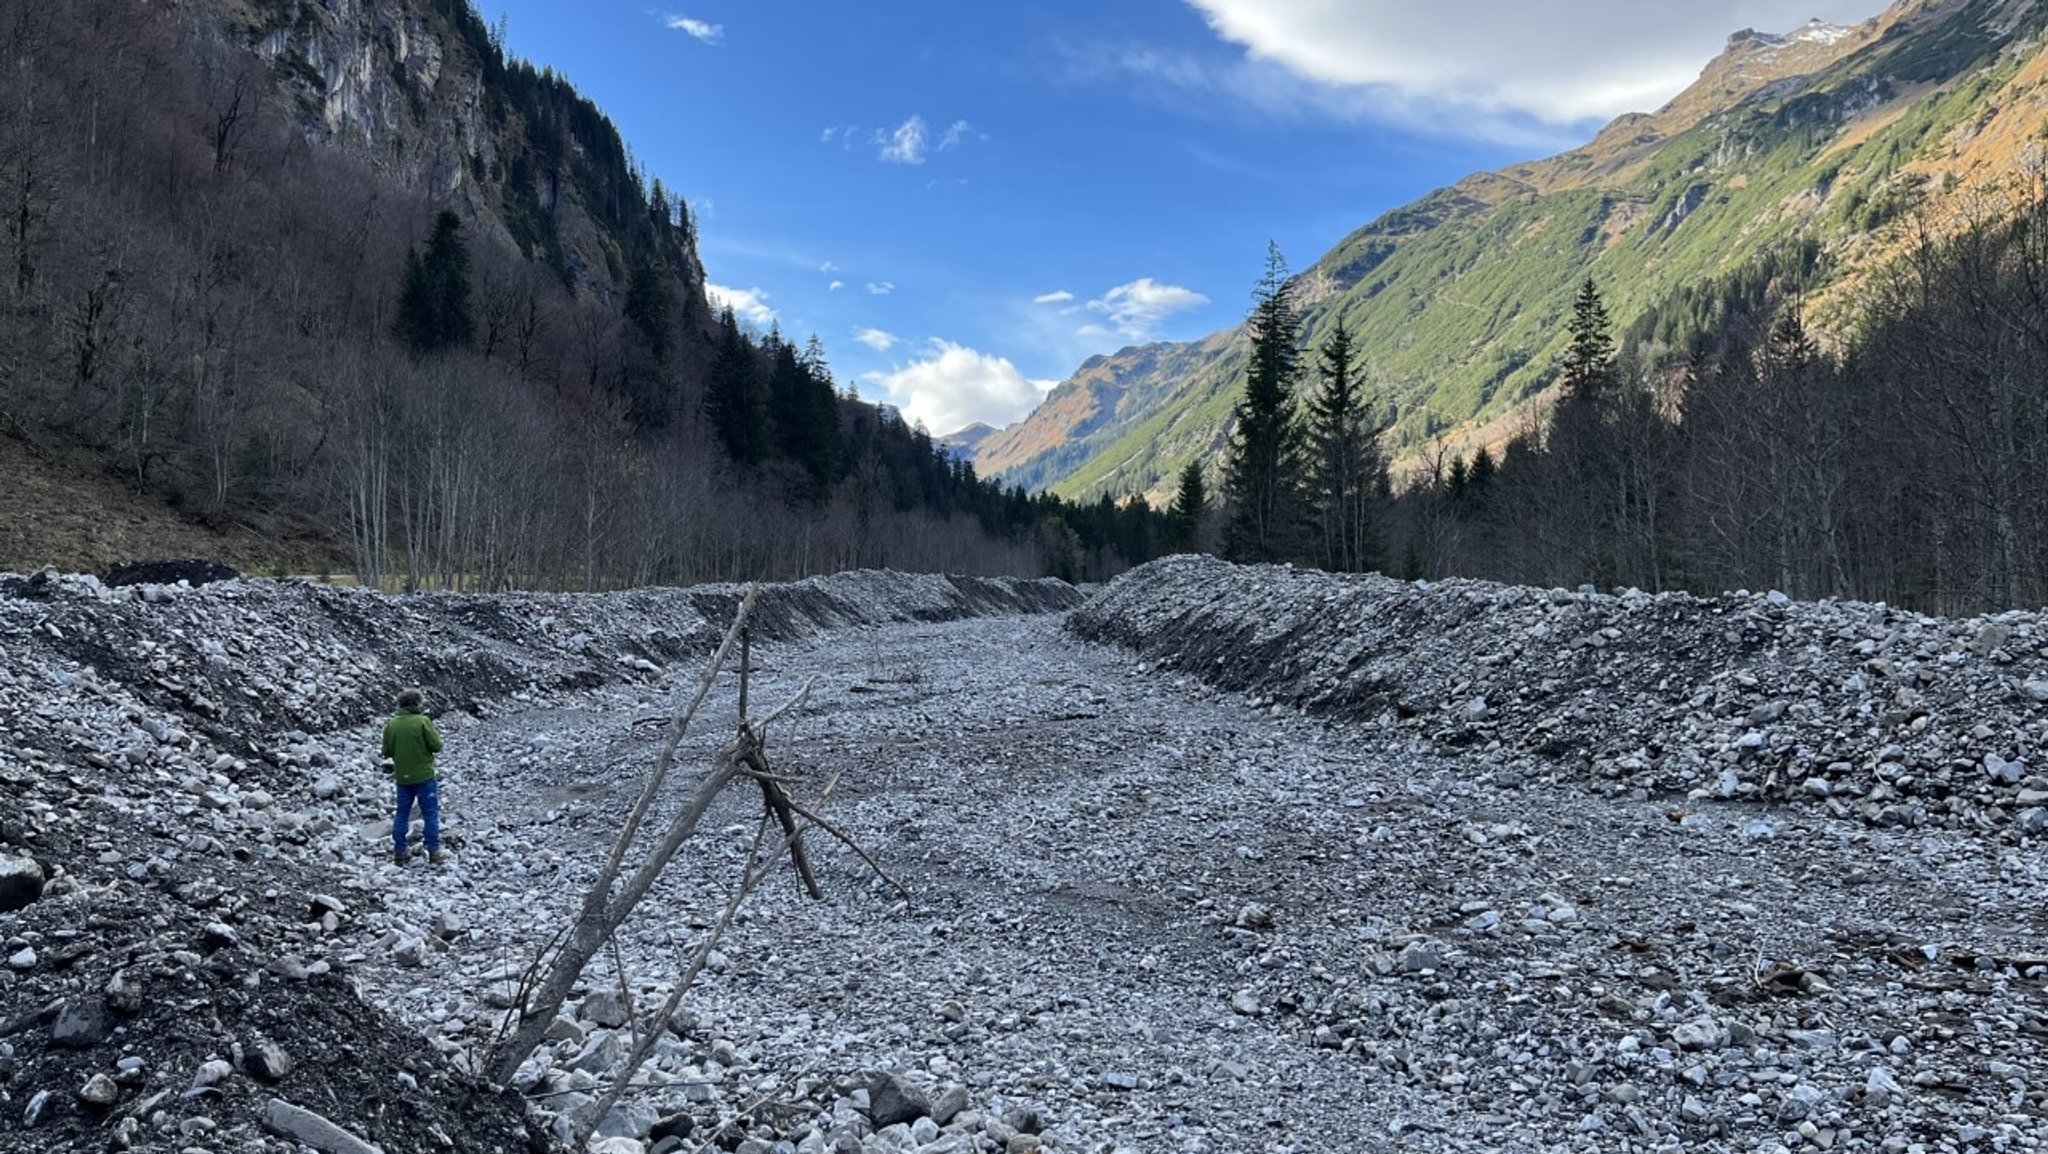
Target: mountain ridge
[[1823, 136]]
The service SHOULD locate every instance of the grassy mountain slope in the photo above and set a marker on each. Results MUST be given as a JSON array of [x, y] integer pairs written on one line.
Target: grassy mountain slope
[[1818, 143]]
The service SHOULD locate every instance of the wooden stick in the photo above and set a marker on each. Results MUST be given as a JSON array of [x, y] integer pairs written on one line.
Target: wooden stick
[[602, 913], [777, 803], [853, 845], [644, 1043], [746, 667]]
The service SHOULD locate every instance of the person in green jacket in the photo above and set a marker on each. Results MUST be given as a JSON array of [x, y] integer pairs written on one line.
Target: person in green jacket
[[410, 743]]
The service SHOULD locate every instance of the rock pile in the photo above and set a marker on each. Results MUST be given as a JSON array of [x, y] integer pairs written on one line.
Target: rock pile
[[1895, 719], [177, 780]]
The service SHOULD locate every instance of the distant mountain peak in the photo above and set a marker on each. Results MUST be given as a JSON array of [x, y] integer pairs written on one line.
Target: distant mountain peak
[[1818, 31], [1814, 31]]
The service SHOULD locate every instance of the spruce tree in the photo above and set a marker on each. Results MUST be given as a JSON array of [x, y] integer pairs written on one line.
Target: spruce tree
[[1347, 471], [433, 302], [415, 324], [823, 451], [650, 306], [1588, 367], [1261, 469], [803, 412], [1190, 507], [732, 396]]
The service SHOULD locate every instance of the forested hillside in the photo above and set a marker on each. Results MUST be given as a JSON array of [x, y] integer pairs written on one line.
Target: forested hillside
[[1900, 465], [1815, 153], [339, 286], [1903, 465]]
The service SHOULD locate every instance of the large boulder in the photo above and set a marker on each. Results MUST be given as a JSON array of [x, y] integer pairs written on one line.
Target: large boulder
[[81, 1025], [309, 1129], [893, 1099], [21, 882]]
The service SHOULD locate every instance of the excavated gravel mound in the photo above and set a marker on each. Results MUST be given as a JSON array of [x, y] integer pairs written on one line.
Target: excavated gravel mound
[[166, 794], [1893, 718]]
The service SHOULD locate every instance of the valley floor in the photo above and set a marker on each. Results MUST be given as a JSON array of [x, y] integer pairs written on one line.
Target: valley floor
[[1167, 920]]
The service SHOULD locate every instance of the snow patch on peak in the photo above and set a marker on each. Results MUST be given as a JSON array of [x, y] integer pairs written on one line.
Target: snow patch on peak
[[1818, 31], [1814, 31]]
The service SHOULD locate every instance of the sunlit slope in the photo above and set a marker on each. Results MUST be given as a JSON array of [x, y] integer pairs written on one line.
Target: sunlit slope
[[1817, 143]]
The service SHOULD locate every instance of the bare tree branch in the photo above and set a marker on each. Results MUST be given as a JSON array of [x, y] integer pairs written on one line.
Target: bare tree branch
[[602, 913]]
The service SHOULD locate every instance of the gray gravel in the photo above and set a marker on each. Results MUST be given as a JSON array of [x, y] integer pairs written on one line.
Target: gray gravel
[[1444, 869], [1169, 920]]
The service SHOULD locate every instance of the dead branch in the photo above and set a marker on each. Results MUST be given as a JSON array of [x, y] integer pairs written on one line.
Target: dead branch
[[644, 1044], [625, 988], [752, 874], [605, 911], [753, 756], [847, 840], [602, 913], [774, 715], [681, 724], [777, 804]]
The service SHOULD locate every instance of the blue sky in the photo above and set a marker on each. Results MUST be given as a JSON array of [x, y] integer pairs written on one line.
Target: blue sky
[[966, 199]]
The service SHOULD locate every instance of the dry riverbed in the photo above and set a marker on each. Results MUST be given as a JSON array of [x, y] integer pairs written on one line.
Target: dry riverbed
[[1158, 918]]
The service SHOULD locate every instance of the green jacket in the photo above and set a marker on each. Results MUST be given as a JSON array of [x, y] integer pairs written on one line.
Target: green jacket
[[411, 741]]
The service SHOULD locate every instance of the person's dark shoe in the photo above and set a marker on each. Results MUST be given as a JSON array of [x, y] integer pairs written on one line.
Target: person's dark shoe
[[436, 857], [401, 857]]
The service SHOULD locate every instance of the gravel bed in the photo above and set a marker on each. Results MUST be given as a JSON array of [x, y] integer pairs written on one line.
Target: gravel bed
[[179, 970], [1307, 897], [1160, 918]]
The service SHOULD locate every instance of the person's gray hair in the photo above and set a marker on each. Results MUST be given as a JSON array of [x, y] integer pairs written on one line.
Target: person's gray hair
[[411, 699]]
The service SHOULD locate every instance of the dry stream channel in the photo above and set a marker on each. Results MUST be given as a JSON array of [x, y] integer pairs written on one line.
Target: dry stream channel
[[1151, 916]]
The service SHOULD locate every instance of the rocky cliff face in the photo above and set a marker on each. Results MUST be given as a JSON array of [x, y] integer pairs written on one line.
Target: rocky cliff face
[[420, 94], [384, 80]]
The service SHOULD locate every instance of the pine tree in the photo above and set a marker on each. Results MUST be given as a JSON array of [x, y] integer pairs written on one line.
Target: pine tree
[[1789, 350], [1479, 480], [1348, 471], [732, 396], [1261, 470], [1588, 367], [415, 324], [1190, 507], [803, 412], [433, 302], [823, 452], [650, 306]]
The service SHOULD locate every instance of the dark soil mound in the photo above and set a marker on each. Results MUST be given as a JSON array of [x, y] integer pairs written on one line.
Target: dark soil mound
[[194, 573]]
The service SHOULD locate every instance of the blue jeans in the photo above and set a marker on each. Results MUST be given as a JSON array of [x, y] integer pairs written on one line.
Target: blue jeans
[[428, 794]]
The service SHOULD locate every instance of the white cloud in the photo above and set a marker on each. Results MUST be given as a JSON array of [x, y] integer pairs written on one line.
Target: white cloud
[[954, 386], [880, 288], [703, 30], [1136, 310], [954, 134], [877, 339], [835, 286], [748, 304], [1059, 297], [907, 143], [828, 268], [1553, 64]]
